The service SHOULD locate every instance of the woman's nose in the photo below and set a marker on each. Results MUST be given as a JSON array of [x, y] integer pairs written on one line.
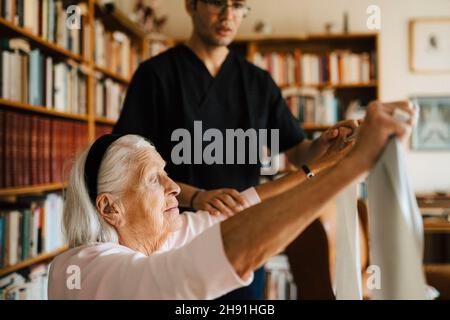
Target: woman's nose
[[171, 187]]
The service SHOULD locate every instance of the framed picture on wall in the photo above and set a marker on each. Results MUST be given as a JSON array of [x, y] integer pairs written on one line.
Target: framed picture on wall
[[430, 45], [433, 128]]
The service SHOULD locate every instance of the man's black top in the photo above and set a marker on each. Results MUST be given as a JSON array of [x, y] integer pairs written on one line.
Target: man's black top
[[174, 89]]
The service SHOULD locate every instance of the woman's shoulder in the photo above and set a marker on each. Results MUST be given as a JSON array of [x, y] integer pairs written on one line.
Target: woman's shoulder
[[86, 253]]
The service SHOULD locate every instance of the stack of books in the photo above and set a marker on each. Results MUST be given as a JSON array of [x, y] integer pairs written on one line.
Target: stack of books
[[30, 228], [313, 106], [37, 150], [338, 67], [29, 77], [33, 287], [52, 20], [109, 97], [115, 51]]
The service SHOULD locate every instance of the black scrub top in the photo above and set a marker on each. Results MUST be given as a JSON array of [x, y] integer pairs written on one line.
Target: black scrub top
[[175, 89]]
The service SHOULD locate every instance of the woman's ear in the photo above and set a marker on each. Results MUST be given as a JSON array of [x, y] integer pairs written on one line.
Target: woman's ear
[[110, 210]]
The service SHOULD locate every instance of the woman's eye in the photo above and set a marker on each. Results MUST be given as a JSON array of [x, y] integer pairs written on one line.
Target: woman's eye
[[153, 179]]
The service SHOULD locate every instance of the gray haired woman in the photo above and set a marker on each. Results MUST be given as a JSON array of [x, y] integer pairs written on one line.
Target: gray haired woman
[[128, 240]]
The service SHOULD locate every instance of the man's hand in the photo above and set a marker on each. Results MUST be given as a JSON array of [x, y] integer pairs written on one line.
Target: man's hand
[[331, 146], [220, 201], [337, 150]]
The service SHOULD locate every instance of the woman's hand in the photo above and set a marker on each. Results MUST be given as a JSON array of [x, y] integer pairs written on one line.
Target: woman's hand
[[220, 201], [378, 126]]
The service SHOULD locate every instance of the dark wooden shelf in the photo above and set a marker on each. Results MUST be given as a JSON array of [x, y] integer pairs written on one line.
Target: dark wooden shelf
[[304, 37], [435, 225], [112, 75], [45, 45], [26, 263], [372, 84], [42, 110], [26, 190], [107, 121]]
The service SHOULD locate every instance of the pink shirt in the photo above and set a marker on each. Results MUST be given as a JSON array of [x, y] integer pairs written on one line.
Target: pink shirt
[[191, 265]]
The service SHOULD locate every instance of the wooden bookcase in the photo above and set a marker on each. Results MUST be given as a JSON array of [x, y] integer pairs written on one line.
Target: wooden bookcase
[[320, 44], [113, 20]]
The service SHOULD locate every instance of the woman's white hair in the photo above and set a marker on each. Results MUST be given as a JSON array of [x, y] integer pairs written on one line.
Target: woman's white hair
[[82, 223]]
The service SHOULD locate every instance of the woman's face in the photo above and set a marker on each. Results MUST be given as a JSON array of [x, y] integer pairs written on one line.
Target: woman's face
[[151, 207]]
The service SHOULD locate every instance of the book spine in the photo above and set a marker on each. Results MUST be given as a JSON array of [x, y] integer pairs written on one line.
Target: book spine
[[2, 147]]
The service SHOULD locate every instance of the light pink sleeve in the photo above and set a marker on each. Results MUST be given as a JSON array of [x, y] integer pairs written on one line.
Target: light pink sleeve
[[195, 223], [198, 270]]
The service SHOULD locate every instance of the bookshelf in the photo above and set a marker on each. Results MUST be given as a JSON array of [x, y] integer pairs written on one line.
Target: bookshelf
[[287, 55], [38, 259], [116, 27], [320, 75]]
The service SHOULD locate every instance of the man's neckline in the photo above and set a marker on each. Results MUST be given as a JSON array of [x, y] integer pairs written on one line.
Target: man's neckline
[[199, 60]]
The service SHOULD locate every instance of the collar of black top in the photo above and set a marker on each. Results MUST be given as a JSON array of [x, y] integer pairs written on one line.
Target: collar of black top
[[93, 162]]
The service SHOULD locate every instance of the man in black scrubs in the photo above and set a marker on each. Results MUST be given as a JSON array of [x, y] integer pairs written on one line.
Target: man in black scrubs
[[204, 81]]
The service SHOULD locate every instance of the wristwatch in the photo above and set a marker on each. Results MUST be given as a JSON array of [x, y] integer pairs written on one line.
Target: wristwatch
[[308, 172]]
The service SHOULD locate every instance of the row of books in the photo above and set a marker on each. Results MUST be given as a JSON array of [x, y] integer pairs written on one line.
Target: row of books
[[109, 97], [29, 77], [101, 130], [115, 51], [29, 228], [57, 21], [320, 107], [333, 68], [37, 150], [31, 287]]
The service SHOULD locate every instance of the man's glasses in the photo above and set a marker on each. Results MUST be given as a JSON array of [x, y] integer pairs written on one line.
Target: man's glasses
[[240, 8]]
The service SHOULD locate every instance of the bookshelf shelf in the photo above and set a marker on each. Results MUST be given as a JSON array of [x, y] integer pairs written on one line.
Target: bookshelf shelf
[[303, 37], [112, 75], [37, 41], [436, 226], [103, 120], [26, 190], [42, 110], [372, 84], [26, 263]]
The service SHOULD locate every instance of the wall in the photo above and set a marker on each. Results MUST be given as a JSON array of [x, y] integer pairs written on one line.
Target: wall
[[430, 171]]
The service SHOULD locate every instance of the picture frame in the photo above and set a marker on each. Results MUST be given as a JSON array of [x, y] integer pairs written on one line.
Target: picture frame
[[429, 45], [432, 132]]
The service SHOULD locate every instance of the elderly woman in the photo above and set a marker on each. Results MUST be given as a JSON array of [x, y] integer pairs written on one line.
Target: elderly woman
[[128, 240]]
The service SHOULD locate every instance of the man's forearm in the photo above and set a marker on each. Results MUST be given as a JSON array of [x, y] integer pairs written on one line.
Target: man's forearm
[[274, 188], [264, 230], [186, 194], [304, 153]]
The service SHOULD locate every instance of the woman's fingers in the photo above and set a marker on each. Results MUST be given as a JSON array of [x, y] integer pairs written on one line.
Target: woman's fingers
[[231, 203], [237, 197], [213, 211], [219, 205]]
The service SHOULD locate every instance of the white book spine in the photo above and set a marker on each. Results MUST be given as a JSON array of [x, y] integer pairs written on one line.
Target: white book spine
[[14, 233]]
